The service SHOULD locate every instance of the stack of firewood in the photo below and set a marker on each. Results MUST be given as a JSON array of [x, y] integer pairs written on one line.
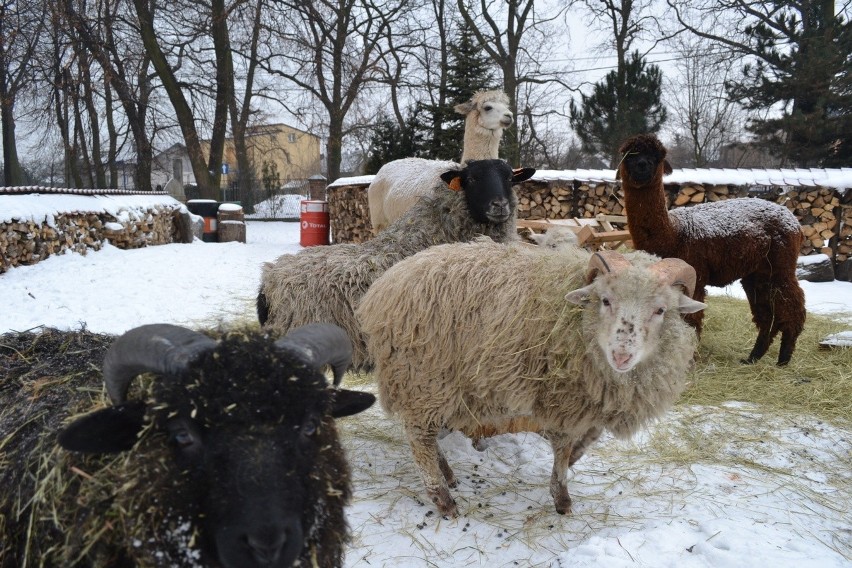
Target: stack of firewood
[[28, 242], [844, 241], [595, 199], [816, 211], [542, 200], [350, 213]]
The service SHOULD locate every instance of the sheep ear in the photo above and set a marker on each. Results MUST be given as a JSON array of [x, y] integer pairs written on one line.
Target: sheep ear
[[349, 402], [667, 167], [580, 296], [107, 431], [522, 174], [689, 306], [453, 179]]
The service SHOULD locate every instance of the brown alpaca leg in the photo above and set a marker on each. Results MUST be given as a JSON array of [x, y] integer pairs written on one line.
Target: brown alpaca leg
[[762, 315], [791, 311]]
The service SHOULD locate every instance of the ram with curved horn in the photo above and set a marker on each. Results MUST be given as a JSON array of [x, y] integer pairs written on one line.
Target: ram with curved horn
[[232, 457], [483, 335]]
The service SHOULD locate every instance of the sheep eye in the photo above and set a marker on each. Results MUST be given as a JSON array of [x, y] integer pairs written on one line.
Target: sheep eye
[[488, 108], [183, 438], [310, 427], [605, 302], [660, 311]]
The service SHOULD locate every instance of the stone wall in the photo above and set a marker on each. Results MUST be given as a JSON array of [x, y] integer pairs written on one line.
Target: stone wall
[[825, 213], [33, 227]]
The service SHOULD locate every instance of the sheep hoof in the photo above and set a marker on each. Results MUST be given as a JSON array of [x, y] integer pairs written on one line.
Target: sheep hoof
[[748, 361], [564, 508], [563, 503], [445, 503]]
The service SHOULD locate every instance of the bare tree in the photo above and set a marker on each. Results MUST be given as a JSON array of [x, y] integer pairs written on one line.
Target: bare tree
[[705, 117], [21, 25], [112, 41], [215, 16], [505, 34], [332, 50]]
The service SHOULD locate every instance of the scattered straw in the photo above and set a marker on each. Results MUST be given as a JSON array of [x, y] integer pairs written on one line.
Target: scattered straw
[[817, 382]]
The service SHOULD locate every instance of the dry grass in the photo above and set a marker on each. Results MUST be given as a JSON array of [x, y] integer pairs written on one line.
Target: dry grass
[[817, 381]]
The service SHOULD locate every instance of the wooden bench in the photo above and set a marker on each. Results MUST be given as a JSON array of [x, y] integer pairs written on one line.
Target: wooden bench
[[595, 234]]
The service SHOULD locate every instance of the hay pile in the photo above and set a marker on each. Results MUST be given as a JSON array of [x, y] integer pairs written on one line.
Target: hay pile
[[817, 381], [75, 510]]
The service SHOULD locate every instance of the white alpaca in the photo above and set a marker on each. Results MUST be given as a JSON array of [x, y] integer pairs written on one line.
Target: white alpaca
[[400, 183]]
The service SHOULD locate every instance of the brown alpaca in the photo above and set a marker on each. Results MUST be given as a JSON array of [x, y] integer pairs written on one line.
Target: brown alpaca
[[751, 239]]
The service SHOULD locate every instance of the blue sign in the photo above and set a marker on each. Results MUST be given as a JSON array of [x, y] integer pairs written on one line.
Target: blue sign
[[225, 168]]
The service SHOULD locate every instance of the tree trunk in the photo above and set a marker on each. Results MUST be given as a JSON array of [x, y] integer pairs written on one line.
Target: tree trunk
[[183, 112]]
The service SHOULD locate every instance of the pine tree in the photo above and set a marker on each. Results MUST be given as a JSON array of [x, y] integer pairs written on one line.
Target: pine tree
[[392, 142], [626, 102], [803, 65], [468, 71]]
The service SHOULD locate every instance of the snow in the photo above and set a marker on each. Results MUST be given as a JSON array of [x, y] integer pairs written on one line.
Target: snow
[[39, 208], [789, 509], [746, 217], [837, 178]]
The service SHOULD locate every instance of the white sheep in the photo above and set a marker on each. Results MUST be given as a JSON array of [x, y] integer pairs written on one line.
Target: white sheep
[[555, 238], [400, 183], [465, 335], [325, 284]]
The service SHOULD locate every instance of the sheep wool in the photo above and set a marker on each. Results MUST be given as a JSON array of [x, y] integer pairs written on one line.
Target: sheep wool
[[138, 508], [529, 365], [325, 284], [469, 334]]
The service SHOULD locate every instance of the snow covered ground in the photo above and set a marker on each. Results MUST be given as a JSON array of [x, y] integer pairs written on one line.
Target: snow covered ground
[[788, 508]]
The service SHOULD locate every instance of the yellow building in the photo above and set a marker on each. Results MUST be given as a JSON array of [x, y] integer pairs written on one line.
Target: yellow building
[[292, 153]]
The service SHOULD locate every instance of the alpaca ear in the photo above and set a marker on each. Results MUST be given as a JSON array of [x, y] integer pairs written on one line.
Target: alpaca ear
[[453, 179], [464, 108], [667, 167]]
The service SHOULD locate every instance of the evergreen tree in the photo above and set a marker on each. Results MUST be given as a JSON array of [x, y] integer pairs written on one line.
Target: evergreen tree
[[804, 56], [468, 71], [392, 142], [626, 102]]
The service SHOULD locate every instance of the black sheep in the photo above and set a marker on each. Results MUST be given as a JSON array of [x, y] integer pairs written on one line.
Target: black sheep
[[228, 457]]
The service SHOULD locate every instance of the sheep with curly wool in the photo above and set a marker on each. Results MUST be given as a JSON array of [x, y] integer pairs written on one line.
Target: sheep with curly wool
[[753, 240], [325, 284], [482, 333], [229, 457], [400, 183]]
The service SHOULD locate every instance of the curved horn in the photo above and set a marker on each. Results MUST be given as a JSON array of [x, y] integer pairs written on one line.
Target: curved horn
[[159, 348], [675, 272], [319, 344], [603, 262]]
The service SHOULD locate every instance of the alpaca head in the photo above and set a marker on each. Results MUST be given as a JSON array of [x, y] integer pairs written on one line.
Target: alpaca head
[[490, 110], [643, 158]]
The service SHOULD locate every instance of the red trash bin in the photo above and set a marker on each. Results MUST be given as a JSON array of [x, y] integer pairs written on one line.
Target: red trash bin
[[315, 223]]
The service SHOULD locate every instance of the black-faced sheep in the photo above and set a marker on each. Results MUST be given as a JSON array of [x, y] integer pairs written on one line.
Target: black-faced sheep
[[753, 240], [482, 333], [325, 284], [229, 457], [400, 183]]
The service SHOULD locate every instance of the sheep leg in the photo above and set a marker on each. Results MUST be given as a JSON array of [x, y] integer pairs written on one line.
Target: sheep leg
[[433, 466], [580, 446], [563, 447]]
